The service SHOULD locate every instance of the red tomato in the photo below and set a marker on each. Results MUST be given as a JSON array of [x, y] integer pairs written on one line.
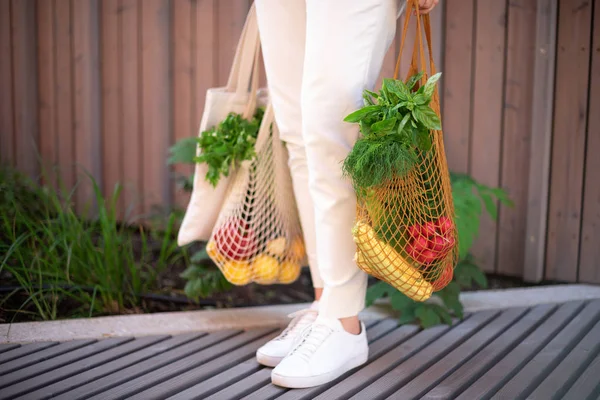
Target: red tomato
[[414, 231], [444, 224], [444, 279], [449, 243], [438, 244], [235, 240], [426, 257], [420, 244], [429, 229]]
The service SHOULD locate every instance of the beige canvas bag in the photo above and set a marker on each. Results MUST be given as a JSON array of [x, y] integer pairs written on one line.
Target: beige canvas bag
[[241, 95]]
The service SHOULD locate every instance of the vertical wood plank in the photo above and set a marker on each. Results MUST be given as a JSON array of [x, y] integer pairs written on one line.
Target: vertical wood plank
[[112, 158], [46, 103], [129, 104], [156, 105], [437, 37], [457, 86], [568, 145], [86, 69], [516, 135], [540, 140], [486, 134], [205, 53], [589, 270], [6, 87], [25, 87], [183, 121], [231, 15], [63, 81]]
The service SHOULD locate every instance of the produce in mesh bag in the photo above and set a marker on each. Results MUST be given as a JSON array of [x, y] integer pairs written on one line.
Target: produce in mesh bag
[[405, 233], [257, 237]]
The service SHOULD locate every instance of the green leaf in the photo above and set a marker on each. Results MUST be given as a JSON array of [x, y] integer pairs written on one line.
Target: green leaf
[[183, 151], [397, 87], [430, 85], [377, 291], [385, 125], [450, 296], [362, 113], [420, 99], [490, 205], [427, 316], [407, 316], [399, 301], [200, 256], [427, 117], [422, 139], [403, 123], [414, 79]]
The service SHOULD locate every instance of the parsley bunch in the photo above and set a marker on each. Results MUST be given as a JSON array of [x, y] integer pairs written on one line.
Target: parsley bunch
[[395, 125], [226, 145]]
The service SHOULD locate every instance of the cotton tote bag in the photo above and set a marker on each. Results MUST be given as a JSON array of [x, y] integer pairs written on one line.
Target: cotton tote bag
[[241, 96]]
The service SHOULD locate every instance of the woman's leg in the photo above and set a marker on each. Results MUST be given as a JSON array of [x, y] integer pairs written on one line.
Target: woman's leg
[[346, 42], [282, 26]]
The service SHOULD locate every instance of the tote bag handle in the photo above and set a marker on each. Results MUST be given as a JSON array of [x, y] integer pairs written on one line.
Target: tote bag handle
[[243, 76]]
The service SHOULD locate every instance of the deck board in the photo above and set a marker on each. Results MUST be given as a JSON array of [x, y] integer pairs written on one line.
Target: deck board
[[21, 351], [549, 351], [119, 364], [475, 367], [534, 372], [457, 357], [511, 364], [416, 364]]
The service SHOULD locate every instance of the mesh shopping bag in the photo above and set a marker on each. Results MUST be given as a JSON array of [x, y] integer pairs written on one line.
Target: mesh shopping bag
[[405, 231], [239, 96], [258, 237]]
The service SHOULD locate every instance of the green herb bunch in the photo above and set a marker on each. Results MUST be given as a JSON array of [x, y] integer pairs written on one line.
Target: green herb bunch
[[395, 125], [227, 144]]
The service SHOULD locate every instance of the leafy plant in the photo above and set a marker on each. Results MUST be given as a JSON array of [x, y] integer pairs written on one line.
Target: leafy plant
[[395, 125], [468, 196], [203, 279], [95, 264], [227, 144]]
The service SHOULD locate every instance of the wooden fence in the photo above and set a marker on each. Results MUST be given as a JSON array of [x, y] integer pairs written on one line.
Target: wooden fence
[[106, 86]]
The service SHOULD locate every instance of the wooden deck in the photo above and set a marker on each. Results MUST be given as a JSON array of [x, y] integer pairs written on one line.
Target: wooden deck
[[543, 352]]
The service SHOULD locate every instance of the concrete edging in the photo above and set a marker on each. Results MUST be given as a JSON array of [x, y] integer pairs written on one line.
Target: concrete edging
[[251, 317]]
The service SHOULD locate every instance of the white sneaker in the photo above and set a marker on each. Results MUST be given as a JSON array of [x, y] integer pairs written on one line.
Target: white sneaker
[[323, 352], [272, 352]]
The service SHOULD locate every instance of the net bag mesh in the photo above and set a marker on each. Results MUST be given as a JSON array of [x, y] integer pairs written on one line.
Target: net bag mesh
[[405, 231], [258, 237]]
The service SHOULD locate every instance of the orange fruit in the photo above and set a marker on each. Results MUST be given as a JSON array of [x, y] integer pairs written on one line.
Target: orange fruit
[[265, 269], [237, 272], [290, 271], [297, 250]]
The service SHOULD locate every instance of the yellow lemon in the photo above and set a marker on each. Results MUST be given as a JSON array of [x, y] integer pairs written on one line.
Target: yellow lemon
[[290, 271], [237, 272], [265, 268], [276, 247], [213, 253], [297, 250]]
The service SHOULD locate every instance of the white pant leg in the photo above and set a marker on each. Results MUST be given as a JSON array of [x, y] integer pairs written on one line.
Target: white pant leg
[[346, 41], [282, 27]]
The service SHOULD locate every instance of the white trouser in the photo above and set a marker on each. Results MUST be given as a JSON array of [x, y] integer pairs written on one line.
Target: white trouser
[[319, 56]]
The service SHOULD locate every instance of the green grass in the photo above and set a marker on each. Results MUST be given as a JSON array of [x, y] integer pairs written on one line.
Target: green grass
[[91, 265]]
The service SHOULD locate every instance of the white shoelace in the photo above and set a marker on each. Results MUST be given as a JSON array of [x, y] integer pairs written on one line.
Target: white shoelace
[[301, 319], [310, 339]]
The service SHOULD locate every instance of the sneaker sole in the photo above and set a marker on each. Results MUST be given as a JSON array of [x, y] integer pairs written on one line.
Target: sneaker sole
[[295, 382], [267, 361]]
